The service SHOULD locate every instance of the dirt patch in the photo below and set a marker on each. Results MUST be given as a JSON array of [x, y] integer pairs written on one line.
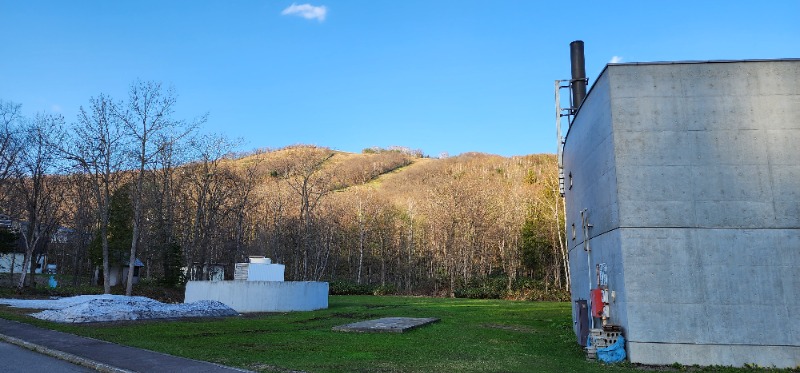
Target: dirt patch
[[338, 315], [272, 368], [378, 306]]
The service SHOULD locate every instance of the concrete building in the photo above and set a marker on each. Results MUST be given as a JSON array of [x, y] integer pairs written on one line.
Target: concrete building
[[682, 186], [259, 286]]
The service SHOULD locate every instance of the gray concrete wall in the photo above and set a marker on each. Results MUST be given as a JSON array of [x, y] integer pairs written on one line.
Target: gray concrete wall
[[590, 166], [591, 184], [604, 249], [707, 181], [707, 145], [261, 296]]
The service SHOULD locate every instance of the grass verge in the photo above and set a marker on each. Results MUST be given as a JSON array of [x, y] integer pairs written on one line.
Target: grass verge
[[472, 336]]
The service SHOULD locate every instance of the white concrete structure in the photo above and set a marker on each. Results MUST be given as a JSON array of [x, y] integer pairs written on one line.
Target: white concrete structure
[[685, 180], [259, 268], [258, 286], [261, 296]]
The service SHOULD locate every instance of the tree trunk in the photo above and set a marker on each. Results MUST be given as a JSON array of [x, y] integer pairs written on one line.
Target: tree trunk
[[137, 219]]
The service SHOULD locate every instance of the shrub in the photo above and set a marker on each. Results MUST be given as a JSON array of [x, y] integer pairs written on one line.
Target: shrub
[[531, 290], [492, 287], [343, 287], [387, 289], [496, 287]]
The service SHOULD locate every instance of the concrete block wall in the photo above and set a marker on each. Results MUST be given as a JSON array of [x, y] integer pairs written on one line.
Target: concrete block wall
[[707, 144], [603, 250], [707, 195], [261, 296], [591, 177], [591, 181]]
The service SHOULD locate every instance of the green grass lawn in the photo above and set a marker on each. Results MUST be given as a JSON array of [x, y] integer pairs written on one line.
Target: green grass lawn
[[472, 336]]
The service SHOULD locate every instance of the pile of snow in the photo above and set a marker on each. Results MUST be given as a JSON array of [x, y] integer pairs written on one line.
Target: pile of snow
[[107, 307]]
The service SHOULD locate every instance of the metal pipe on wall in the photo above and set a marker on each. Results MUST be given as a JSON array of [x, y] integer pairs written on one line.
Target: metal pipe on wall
[[578, 65]]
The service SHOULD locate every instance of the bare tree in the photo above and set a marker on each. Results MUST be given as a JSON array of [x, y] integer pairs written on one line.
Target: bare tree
[[302, 170], [97, 148], [10, 113], [245, 200], [84, 221], [408, 218], [34, 184], [273, 226], [211, 194], [146, 116], [166, 190]]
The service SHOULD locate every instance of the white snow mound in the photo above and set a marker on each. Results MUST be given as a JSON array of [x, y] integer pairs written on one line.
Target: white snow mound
[[107, 307]]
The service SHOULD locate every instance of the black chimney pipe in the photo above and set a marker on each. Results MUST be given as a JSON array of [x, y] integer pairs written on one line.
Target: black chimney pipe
[[578, 63]]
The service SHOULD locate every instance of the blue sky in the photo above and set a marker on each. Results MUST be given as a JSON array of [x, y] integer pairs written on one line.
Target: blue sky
[[436, 75]]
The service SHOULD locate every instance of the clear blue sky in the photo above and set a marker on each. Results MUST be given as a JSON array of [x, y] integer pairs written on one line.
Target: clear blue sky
[[436, 75]]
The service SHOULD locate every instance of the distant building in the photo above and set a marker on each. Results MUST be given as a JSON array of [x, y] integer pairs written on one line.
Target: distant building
[[118, 273], [12, 260], [682, 185], [15, 256]]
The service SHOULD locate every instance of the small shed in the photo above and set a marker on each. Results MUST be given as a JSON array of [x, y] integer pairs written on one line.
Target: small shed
[[118, 274]]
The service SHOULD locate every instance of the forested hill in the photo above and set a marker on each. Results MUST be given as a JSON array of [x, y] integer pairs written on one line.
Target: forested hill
[[400, 221], [388, 221]]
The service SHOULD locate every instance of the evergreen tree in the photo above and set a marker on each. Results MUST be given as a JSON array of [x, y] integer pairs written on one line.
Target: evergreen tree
[[173, 259], [535, 249], [8, 240], [120, 229]]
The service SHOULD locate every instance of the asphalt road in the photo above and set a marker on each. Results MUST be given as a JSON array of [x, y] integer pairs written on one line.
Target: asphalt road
[[15, 359]]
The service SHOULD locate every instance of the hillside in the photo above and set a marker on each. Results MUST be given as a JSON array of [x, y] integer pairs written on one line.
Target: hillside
[[397, 174], [396, 218], [385, 219]]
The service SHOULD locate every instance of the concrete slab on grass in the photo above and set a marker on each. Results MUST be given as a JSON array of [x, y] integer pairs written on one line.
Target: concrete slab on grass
[[386, 325]]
